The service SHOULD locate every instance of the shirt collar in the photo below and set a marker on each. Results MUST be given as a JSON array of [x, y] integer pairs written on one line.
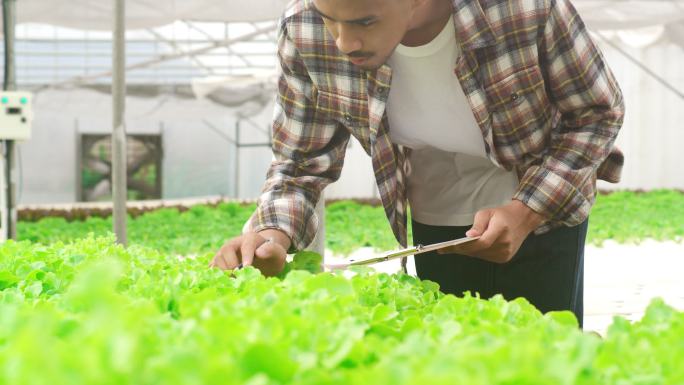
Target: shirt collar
[[472, 27]]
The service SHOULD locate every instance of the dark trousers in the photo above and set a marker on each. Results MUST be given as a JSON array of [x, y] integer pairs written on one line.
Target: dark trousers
[[547, 270]]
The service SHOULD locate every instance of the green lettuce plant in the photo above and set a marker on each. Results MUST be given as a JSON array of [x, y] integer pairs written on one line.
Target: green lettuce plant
[[92, 312]]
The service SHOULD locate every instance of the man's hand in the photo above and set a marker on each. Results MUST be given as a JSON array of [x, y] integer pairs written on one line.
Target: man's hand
[[502, 230], [265, 250]]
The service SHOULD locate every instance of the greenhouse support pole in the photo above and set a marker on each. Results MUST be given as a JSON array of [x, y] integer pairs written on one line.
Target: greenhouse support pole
[[9, 220], [119, 160]]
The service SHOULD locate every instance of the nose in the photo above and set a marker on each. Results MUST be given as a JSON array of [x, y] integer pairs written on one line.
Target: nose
[[347, 41]]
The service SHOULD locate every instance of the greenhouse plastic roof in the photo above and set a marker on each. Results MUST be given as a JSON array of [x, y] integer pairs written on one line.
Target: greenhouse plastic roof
[[97, 14]]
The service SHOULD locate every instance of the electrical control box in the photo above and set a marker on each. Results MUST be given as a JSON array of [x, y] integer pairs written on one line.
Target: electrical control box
[[16, 115]]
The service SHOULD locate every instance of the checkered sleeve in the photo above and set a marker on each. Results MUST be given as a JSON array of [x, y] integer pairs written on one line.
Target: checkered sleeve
[[592, 110], [309, 148]]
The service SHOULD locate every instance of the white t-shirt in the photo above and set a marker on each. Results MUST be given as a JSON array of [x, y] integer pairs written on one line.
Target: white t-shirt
[[450, 176]]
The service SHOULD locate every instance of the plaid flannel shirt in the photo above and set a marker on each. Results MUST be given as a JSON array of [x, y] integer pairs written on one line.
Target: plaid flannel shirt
[[546, 103]]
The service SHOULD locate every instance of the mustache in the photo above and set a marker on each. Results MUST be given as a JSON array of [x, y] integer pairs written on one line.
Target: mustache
[[360, 55]]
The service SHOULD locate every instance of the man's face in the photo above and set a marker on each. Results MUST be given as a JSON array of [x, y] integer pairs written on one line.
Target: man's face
[[367, 31]]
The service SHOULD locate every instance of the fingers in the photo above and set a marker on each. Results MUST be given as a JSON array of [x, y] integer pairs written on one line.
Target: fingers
[[217, 261], [270, 258], [247, 252], [227, 258], [268, 249], [249, 245], [493, 232], [480, 226], [251, 249], [487, 228], [496, 244], [480, 223], [488, 239]]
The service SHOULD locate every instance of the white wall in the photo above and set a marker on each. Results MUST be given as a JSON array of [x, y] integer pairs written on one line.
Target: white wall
[[197, 160], [653, 131]]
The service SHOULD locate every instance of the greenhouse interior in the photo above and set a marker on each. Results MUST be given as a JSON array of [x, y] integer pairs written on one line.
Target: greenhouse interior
[[268, 192]]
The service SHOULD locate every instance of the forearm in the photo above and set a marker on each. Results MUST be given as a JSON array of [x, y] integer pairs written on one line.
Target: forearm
[[309, 148]]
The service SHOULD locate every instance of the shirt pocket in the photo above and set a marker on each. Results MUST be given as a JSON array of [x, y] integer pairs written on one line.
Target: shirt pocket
[[352, 113], [519, 109]]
